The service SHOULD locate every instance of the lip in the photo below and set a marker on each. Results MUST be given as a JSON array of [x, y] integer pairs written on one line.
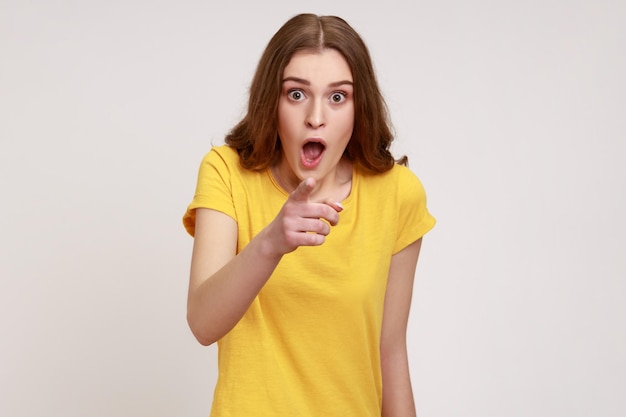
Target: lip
[[315, 139], [312, 163]]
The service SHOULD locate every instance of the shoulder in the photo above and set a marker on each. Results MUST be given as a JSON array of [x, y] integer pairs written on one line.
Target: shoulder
[[399, 181], [218, 170], [222, 155], [407, 180], [414, 218], [222, 161]]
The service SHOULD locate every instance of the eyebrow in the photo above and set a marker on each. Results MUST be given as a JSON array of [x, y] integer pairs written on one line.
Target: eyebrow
[[307, 82]]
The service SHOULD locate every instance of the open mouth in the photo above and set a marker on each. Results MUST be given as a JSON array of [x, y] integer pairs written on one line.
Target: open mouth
[[312, 152]]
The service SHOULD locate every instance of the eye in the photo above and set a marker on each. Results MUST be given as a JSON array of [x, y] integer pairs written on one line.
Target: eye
[[338, 97], [295, 95]]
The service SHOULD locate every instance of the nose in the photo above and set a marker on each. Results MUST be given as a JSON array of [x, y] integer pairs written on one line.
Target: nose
[[316, 116]]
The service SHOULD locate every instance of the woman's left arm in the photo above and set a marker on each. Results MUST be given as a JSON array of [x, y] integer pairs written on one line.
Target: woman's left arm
[[397, 392]]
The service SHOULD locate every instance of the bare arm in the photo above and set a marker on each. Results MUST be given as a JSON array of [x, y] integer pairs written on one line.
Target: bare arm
[[222, 283], [397, 391]]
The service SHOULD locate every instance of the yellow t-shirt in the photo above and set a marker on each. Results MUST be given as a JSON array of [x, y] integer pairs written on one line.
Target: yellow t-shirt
[[309, 344]]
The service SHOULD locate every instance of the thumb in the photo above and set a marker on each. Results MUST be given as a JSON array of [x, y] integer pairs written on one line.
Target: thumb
[[303, 191]]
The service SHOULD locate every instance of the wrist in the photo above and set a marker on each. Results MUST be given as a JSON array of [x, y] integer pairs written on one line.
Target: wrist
[[266, 247]]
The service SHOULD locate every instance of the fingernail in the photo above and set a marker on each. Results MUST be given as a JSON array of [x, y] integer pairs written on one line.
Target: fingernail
[[339, 204]]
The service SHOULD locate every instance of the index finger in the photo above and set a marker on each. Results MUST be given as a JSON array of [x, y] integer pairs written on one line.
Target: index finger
[[303, 191]]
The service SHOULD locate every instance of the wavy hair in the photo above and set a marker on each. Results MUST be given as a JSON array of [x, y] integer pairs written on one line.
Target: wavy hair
[[255, 137]]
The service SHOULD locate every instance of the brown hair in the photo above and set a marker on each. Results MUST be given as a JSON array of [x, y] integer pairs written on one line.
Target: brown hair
[[255, 137]]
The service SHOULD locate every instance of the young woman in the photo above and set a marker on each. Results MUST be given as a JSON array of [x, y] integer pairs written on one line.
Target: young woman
[[306, 238]]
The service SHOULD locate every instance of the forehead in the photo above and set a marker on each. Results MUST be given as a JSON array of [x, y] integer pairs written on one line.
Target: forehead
[[325, 66]]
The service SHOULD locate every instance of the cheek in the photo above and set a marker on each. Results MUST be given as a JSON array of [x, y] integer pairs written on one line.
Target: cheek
[[281, 117], [348, 122], [286, 133], [286, 117], [283, 128]]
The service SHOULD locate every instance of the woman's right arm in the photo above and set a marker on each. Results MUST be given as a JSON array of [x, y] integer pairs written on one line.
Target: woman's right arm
[[222, 283]]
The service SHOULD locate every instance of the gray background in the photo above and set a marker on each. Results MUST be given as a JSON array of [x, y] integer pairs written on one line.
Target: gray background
[[513, 115]]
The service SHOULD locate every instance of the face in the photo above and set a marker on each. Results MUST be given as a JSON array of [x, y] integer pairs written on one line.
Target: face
[[315, 116]]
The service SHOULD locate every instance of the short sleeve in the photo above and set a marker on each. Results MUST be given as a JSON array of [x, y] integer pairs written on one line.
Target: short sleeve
[[213, 189], [414, 219]]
